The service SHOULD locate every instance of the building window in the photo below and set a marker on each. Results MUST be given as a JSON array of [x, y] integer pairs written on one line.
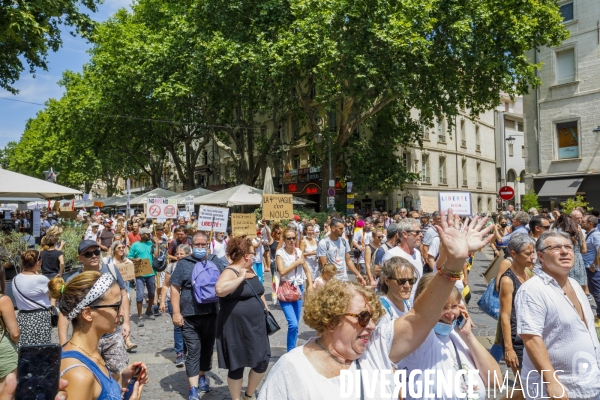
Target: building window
[[568, 140], [479, 182], [489, 208], [440, 131], [425, 131], [332, 121], [425, 169], [520, 126], [296, 161], [295, 130], [510, 149], [566, 10], [565, 66], [442, 172], [479, 205], [498, 174], [464, 172], [314, 160], [463, 134], [523, 151], [406, 161], [477, 139], [512, 176]]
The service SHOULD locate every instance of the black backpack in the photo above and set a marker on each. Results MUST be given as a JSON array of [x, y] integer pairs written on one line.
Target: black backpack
[[159, 264]]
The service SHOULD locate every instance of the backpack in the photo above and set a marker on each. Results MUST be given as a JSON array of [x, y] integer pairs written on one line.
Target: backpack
[[204, 279], [159, 264]]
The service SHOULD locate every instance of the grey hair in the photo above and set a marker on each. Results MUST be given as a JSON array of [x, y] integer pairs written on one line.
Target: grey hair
[[185, 248], [518, 243], [403, 209], [391, 270], [533, 210], [540, 244], [522, 217], [407, 224], [199, 235]]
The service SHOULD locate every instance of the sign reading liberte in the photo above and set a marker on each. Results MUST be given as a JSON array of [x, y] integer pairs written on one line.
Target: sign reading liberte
[[459, 202], [277, 207], [213, 218]]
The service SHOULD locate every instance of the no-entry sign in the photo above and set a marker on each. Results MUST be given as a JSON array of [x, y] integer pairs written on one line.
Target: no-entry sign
[[506, 193]]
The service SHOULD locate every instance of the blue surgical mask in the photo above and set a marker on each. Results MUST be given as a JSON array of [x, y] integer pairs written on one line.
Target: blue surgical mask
[[199, 253], [444, 329]]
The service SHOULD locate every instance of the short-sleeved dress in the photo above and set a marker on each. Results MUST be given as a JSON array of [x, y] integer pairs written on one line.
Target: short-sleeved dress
[[242, 339]]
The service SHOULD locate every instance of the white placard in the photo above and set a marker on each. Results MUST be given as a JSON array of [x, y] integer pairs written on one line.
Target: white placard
[[459, 202], [37, 224], [189, 204], [161, 208], [184, 214], [215, 217]]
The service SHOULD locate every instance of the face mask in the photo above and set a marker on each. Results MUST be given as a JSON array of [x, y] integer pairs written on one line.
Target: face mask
[[199, 253], [443, 329], [503, 225]]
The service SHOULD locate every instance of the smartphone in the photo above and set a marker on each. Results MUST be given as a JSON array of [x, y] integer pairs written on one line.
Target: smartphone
[[461, 321], [132, 381], [38, 372]]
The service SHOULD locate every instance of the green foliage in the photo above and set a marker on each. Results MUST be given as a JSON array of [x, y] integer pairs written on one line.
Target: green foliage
[[11, 247], [572, 203], [29, 29], [530, 200], [6, 154], [72, 236]]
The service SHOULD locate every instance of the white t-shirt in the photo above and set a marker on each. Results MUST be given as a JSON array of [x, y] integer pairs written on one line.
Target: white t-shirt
[[218, 248], [335, 252], [437, 353], [415, 260], [359, 239], [258, 251], [296, 275], [89, 235], [434, 247], [294, 377], [33, 286]]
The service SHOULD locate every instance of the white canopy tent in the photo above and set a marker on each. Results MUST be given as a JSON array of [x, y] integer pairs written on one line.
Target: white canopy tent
[[241, 195], [143, 199], [13, 184], [197, 193]]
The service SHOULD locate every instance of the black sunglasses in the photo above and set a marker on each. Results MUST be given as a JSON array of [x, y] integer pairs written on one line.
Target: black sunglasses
[[402, 281], [89, 254], [115, 306], [291, 238], [363, 318]]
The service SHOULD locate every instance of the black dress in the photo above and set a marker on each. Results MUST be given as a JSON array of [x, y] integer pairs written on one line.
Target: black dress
[[242, 339], [517, 342]]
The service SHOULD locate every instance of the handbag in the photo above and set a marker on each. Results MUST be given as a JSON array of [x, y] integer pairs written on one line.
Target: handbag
[[53, 311], [272, 325], [287, 291], [489, 302]]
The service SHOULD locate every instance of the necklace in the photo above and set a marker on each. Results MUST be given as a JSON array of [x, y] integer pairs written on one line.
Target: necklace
[[331, 355], [97, 359]]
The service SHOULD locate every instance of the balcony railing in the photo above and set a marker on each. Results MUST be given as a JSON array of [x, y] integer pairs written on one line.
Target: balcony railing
[[464, 183], [443, 181], [477, 147], [441, 138], [425, 179]]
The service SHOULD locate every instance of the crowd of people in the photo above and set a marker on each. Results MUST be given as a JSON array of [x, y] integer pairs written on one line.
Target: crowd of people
[[383, 292]]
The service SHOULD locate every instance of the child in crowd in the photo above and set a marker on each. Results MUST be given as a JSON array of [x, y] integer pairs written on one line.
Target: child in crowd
[[329, 271]]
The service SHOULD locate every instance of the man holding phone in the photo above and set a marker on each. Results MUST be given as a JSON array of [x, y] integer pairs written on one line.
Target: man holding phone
[[112, 346]]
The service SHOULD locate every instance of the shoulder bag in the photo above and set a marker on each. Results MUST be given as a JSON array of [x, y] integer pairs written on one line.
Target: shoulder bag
[[51, 309], [288, 291], [272, 325]]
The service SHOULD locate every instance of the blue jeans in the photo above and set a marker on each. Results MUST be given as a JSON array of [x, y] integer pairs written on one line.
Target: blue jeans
[[258, 270], [177, 336], [292, 310]]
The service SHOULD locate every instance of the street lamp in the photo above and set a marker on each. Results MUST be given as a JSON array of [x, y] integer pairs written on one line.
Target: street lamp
[[597, 130], [319, 140], [510, 140]]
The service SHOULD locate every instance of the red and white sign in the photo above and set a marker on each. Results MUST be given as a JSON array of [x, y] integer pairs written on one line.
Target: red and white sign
[[215, 217], [506, 193], [162, 208]]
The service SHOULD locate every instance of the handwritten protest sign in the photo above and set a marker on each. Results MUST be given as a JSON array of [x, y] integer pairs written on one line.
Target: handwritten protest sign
[[127, 271], [215, 217], [277, 207], [429, 204], [142, 267], [243, 224], [459, 202], [162, 208]]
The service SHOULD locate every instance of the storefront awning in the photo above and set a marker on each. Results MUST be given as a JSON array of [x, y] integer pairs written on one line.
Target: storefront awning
[[560, 188]]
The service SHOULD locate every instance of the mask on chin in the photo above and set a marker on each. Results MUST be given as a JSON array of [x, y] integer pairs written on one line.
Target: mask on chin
[[444, 329]]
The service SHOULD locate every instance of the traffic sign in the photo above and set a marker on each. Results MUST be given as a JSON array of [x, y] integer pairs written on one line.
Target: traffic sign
[[331, 192], [506, 193], [331, 201]]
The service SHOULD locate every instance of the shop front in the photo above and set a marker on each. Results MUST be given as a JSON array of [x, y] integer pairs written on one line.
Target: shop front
[[553, 191]]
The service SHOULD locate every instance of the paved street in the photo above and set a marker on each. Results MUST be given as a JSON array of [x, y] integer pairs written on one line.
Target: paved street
[[155, 341]]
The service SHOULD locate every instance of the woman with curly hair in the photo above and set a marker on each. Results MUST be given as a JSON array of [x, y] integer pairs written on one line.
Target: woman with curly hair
[[566, 224], [345, 315]]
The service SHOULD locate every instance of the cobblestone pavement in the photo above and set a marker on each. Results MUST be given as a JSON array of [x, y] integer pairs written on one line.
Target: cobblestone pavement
[[155, 344]]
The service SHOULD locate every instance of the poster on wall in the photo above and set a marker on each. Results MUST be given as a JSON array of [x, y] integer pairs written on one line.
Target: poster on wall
[[459, 202]]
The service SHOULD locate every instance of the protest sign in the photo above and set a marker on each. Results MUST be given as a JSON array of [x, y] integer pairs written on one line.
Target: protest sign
[[189, 204], [184, 214], [142, 267], [213, 217], [459, 202], [429, 204], [127, 271], [243, 224], [277, 207], [162, 208]]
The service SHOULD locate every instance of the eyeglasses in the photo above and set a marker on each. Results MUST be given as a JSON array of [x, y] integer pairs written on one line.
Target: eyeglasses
[[558, 247], [89, 254], [291, 238], [416, 232], [379, 237], [115, 306], [402, 281], [201, 245], [363, 318]]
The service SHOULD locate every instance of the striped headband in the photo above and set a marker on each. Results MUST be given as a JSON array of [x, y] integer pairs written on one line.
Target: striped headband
[[99, 288]]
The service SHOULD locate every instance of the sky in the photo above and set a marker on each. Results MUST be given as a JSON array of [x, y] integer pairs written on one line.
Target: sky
[[71, 56]]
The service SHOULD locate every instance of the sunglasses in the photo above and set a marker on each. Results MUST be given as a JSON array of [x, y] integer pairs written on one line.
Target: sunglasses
[[379, 237], [89, 254], [115, 306], [291, 238], [363, 318], [402, 281]]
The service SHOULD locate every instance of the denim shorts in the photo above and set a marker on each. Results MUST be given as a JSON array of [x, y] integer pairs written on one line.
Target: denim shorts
[[149, 282]]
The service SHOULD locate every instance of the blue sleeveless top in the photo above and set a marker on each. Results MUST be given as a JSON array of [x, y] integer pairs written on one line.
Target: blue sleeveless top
[[110, 388]]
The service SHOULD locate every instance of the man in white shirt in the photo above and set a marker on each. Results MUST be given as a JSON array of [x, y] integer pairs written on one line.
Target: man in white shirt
[[218, 246], [409, 232], [335, 249], [556, 323]]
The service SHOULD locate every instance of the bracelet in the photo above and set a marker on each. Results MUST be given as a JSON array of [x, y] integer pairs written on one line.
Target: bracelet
[[454, 274], [446, 276]]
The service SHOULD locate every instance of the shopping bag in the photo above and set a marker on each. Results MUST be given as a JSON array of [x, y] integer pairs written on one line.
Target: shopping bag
[[489, 302]]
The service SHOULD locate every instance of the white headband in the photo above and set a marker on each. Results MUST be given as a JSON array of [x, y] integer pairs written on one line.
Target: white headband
[[99, 288]]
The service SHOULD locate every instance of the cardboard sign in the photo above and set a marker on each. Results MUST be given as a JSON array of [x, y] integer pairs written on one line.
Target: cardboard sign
[[162, 208], [127, 271], [213, 217], [68, 214], [429, 204], [243, 224], [459, 202], [65, 206], [142, 267], [277, 207]]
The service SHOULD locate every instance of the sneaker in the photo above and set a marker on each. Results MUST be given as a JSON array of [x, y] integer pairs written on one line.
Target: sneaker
[[180, 360], [150, 315], [140, 322], [246, 397], [203, 384], [194, 394], [156, 311]]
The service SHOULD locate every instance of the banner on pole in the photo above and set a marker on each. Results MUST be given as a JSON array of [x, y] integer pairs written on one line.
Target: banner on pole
[[277, 207], [161, 208], [213, 217], [459, 202]]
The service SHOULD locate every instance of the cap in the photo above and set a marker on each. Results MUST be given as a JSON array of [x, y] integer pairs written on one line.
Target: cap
[[107, 221], [194, 214], [94, 224], [86, 244], [297, 217], [159, 227], [392, 229], [145, 231]]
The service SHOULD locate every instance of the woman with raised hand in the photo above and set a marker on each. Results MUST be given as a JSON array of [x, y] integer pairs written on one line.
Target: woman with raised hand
[[92, 302], [345, 314]]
